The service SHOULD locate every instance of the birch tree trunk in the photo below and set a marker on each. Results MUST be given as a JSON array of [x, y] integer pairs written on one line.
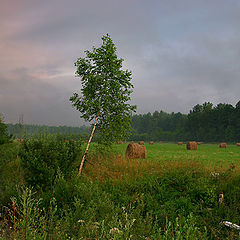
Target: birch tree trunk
[[89, 141]]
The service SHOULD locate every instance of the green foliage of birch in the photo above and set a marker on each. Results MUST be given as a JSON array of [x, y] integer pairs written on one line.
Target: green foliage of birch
[[106, 90]]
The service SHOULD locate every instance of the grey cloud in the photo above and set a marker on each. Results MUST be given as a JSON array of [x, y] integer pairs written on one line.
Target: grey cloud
[[181, 53], [40, 102]]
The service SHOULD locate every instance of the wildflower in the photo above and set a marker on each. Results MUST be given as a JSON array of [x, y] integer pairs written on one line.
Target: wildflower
[[214, 174], [114, 231], [81, 221]]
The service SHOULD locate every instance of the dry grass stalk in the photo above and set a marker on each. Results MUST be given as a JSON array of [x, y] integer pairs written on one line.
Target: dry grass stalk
[[220, 200], [141, 142], [151, 142], [191, 146], [135, 151], [180, 143], [223, 145]]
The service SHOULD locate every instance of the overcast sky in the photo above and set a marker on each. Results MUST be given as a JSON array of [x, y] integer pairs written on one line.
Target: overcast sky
[[180, 52]]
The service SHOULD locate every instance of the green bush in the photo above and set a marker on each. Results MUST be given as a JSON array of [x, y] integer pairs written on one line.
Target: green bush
[[4, 137], [10, 171], [43, 157]]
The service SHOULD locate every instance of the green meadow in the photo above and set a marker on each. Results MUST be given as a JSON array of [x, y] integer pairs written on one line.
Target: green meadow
[[207, 154], [172, 194]]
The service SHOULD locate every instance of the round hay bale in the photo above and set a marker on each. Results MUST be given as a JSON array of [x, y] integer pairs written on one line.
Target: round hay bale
[[180, 143], [191, 146], [134, 151], [223, 145], [141, 142], [238, 144], [151, 142]]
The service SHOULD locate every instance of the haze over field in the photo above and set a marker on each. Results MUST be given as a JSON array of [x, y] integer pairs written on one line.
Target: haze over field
[[181, 53]]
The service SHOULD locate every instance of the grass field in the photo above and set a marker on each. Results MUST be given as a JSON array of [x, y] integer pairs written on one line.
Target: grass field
[[173, 194], [166, 156], [208, 154]]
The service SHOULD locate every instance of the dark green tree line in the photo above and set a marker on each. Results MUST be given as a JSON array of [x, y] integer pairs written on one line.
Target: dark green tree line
[[34, 130], [204, 122]]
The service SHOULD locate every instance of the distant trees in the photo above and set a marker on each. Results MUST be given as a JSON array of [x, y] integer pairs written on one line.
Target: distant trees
[[33, 130], [203, 123], [219, 123], [158, 126]]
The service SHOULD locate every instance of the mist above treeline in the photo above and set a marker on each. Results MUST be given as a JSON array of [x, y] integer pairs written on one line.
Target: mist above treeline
[[204, 122]]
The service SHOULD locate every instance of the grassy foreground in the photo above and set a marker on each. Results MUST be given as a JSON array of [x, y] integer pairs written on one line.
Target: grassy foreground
[[173, 194]]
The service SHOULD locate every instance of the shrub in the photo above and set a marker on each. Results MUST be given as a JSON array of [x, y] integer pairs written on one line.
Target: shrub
[[10, 171], [4, 137], [43, 157]]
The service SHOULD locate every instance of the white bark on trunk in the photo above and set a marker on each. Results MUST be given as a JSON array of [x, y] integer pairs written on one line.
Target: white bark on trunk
[[89, 141]]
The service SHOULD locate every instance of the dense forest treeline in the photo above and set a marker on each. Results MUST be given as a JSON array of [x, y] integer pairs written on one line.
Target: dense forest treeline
[[19, 130], [204, 122]]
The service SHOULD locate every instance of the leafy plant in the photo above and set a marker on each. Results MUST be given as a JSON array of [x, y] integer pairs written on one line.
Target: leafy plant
[[25, 218]]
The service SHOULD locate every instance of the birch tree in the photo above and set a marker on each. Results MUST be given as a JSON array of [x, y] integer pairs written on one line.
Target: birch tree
[[105, 94]]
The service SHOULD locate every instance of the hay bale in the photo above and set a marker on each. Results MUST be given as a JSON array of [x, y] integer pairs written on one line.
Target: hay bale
[[180, 143], [238, 144], [191, 146], [141, 142], [151, 142], [223, 145], [134, 151]]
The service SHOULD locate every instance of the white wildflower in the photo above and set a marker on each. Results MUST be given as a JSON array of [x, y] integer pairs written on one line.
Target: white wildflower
[[81, 221], [214, 174], [114, 231]]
